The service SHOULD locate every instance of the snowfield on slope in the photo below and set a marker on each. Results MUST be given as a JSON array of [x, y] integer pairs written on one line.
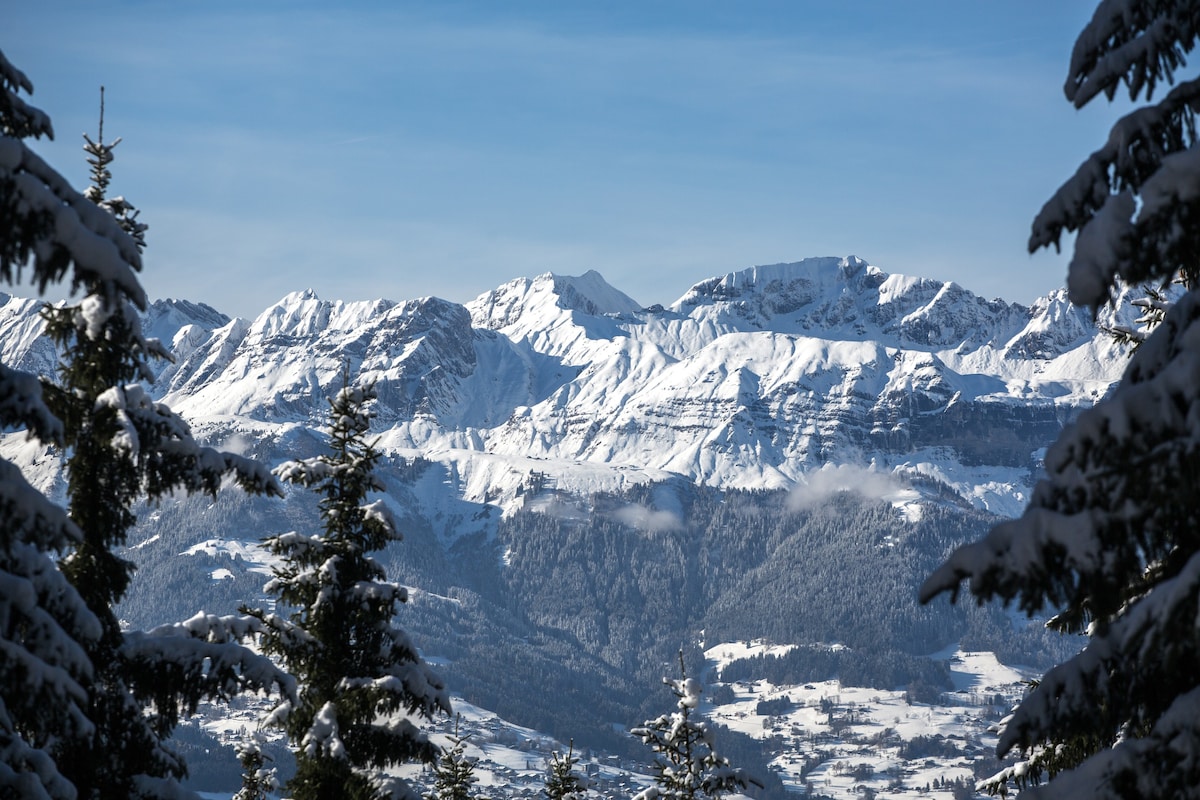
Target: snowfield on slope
[[752, 379], [839, 740]]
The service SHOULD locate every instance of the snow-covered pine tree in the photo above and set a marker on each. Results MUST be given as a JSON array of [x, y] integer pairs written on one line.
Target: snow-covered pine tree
[[258, 780], [358, 674], [1111, 539], [454, 773], [49, 227], [122, 447], [562, 783], [686, 766], [100, 155], [46, 628], [1154, 303]]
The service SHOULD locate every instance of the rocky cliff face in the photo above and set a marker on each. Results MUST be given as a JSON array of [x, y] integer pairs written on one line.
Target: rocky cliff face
[[750, 379]]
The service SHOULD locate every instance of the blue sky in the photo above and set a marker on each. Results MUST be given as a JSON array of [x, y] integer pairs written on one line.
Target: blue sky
[[398, 149]]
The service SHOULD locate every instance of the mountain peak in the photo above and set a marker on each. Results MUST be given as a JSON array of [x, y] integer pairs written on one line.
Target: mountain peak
[[591, 294], [297, 297], [518, 299], [816, 274], [164, 317]]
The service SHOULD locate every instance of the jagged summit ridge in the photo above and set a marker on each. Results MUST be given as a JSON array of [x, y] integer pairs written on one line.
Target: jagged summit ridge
[[750, 379], [850, 298], [823, 272], [588, 294]]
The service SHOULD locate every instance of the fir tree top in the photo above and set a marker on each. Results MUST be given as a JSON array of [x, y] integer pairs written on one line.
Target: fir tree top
[[358, 673]]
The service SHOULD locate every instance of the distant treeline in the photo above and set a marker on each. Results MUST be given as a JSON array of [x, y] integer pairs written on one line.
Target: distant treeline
[[890, 669]]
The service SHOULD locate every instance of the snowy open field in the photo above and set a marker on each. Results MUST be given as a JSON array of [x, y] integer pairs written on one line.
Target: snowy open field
[[511, 760], [841, 741], [254, 557], [832, 740]]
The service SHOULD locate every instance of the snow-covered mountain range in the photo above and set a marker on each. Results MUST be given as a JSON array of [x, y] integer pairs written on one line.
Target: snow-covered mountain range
[[562, 394], [752, 379]]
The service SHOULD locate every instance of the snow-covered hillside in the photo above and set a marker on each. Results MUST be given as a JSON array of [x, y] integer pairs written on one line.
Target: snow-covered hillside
[[838, 741], [623, 424], [823, 739], [751, 380]]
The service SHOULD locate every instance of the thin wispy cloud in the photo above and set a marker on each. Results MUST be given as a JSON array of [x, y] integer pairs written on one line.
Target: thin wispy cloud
[[824, 484], [648, 520]]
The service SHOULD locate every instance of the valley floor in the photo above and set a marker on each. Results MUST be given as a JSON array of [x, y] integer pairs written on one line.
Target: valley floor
[[843, 742], [824, 739]]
